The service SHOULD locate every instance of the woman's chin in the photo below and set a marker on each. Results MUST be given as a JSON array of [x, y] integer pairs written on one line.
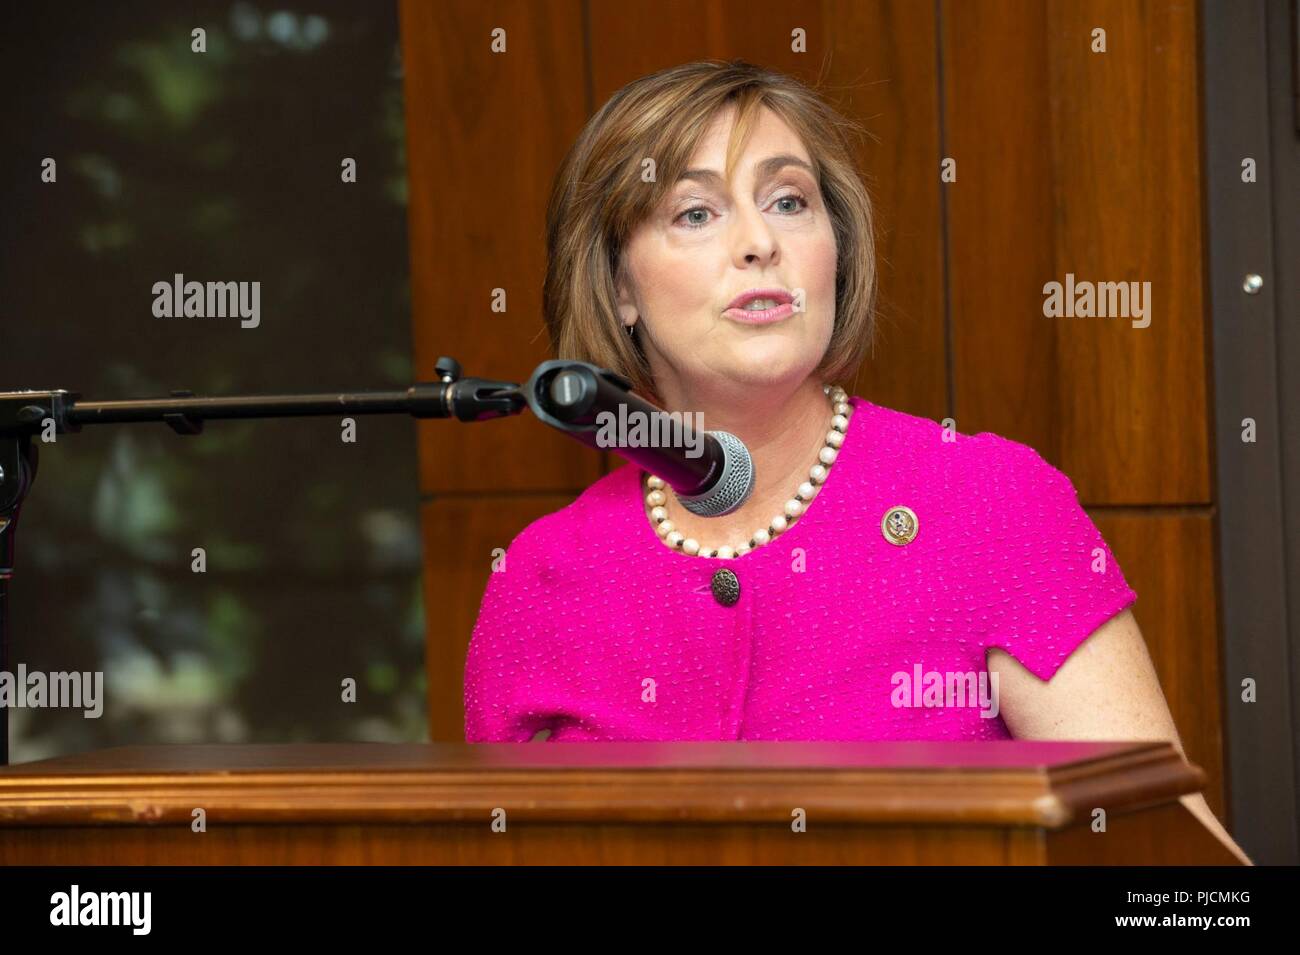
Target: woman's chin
[[757, 363]]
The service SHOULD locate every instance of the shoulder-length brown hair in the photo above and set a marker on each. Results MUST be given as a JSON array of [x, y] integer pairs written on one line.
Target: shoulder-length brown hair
[[599, 197]]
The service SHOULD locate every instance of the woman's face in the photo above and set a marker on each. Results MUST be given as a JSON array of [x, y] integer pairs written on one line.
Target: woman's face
[[710, 242]]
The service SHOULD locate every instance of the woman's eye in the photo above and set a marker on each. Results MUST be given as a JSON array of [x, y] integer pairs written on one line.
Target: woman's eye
[[800, 203], [693, 223]]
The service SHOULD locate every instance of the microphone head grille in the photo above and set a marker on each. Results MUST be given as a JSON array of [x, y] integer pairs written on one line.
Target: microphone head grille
[[734, 484]]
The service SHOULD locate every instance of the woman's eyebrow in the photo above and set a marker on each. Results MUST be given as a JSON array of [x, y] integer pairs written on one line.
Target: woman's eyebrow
[[765, 169]]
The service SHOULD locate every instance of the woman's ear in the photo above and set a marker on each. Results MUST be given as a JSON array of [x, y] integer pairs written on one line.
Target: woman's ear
[[627, 310]]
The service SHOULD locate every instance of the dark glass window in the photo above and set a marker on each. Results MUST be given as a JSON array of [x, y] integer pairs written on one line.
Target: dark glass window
[[221, 166]]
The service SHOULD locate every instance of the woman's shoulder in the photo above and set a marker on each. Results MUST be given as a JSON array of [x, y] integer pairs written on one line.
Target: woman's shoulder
[[1006, 490], [982, 464], [598, 504]]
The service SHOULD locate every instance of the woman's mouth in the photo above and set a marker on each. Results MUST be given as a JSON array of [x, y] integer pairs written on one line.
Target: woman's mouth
[[761, 311]]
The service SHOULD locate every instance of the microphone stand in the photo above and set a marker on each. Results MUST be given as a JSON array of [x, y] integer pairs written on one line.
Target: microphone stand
[[25, 415]]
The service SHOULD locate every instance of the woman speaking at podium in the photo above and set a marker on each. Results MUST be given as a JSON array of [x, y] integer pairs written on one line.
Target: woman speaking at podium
[[889, 578]]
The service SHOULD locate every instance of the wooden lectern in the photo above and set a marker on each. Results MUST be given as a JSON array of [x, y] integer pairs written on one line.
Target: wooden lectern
[[927, 803]]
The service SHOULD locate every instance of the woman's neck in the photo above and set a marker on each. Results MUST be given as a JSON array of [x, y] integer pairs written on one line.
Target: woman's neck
[[783, 433]]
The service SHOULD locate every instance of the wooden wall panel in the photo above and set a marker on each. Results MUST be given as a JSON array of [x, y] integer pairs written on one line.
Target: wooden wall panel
[[629, 40], [1087, 163], [1000, 221], [485, 133], [1126, 179]]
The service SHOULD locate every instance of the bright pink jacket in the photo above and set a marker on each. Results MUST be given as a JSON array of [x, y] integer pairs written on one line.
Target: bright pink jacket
[[595, 629]]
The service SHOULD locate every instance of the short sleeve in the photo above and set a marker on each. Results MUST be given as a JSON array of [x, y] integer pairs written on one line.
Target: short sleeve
[[505, 664], [1048, 579]]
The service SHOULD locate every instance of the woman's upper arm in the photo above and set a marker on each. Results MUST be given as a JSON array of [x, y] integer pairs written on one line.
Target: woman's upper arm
[[505, 663], [1106, 689]]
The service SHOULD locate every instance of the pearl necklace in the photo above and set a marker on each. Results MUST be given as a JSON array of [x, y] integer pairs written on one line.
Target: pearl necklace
[[842, 411]]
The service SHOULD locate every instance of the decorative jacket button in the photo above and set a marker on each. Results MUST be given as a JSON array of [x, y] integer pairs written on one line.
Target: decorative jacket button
[[726, 588]]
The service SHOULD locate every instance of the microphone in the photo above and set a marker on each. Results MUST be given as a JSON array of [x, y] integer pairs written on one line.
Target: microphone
[[575, 397]]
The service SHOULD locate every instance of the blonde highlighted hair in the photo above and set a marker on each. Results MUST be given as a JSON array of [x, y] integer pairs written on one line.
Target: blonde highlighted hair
[[599, 198]]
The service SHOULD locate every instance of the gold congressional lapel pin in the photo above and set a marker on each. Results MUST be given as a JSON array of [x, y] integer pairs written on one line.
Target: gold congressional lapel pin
[[899, 525]]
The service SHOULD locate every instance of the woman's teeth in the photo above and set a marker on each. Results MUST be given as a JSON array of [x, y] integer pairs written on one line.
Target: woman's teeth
[[757, 304]]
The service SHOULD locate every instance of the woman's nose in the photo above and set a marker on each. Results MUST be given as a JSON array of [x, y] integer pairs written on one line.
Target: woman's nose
[[752, 238]]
